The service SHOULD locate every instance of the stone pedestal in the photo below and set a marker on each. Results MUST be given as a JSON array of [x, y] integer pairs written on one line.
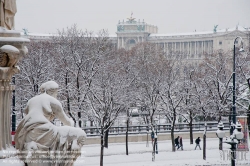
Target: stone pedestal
[[6, 89], [16, 44], [11, 37]]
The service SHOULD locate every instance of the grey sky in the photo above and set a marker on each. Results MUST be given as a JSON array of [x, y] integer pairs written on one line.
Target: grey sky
[[171, 16]]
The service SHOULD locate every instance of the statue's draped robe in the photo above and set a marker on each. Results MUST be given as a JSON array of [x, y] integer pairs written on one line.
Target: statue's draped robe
[[7, 13], [36, 127]]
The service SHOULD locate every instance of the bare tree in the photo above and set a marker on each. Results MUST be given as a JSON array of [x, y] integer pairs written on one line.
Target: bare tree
[[190, 105], [78, 53], [171, 94], [36, 68], [107, 96], [149, 77]]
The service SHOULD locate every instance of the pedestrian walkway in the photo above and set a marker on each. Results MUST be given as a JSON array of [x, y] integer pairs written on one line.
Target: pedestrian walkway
[[140, 155]]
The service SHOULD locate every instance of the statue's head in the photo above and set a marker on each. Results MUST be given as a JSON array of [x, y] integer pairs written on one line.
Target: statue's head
[[49, 87]]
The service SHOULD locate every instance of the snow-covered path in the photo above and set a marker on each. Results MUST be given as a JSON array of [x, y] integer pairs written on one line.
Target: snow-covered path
[[140, 155]]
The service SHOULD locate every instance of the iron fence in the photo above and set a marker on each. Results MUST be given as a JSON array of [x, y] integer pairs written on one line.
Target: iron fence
[[161, 128]]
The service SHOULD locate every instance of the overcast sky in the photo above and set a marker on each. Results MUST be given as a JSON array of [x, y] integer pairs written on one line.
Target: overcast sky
[[171, 16]]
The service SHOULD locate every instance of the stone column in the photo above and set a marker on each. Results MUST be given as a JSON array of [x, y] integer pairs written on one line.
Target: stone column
[[12, 48], [118, 42], [212, 46], [181, 47], [190, 47], [208, 43], [122, 43], [203, 47], [6, 89], [195, 47], [167, 48]]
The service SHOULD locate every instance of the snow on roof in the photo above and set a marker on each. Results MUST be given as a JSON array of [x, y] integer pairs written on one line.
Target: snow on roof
[[55, 34], [40, 34], [240, 28], [112, 35]]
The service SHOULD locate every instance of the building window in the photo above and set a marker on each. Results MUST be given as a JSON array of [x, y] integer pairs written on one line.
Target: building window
[[220, 43], [132, 41]]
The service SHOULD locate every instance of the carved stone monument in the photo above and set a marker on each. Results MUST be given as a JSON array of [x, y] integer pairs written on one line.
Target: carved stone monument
[[12, 48], [38, 140]]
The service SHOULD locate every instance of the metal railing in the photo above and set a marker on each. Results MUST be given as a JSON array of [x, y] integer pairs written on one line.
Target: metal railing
[[161, 128]]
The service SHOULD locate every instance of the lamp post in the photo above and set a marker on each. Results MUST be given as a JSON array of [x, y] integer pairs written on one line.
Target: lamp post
[[13, 126], [237, 135], [234, 97], [220, 134]]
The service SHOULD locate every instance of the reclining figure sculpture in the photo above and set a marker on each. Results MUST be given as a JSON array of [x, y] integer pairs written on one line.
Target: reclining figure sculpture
[[38, 141]]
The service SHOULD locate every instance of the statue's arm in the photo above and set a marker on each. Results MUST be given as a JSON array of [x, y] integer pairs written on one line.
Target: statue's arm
[[26, 110], [60, 114]]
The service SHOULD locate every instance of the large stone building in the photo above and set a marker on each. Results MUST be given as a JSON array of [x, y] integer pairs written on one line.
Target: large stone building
[[193, 44]]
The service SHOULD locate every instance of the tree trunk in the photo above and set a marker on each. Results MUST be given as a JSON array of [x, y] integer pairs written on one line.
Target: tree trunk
[[79, 119], [248, 113], [102, 149], [78, 98], [127, 136], [204, 141], [172, 134], [106, 138], [68, 99], [191, 130], [219, 119], [172, 138], [91, 125], [204, 147], [191, 133]]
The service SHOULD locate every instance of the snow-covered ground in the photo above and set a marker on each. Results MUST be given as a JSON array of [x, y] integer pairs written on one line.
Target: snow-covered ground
[[140, 155]]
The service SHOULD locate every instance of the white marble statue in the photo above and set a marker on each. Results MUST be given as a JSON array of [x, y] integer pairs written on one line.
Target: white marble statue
[[7, 13], [36, 134]]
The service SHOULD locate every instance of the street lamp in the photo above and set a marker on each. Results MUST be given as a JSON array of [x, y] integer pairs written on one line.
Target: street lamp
[[233, 139], [13, 127], [220, 134], [234, 97]]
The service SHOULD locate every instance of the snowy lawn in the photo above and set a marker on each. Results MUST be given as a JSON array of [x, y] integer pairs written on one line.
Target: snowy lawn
[[140, 155]]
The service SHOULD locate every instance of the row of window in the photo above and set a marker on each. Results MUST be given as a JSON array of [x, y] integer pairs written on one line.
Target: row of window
[[220, 42]]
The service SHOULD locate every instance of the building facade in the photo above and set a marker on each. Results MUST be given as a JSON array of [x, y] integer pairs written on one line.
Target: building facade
[[193, 45]]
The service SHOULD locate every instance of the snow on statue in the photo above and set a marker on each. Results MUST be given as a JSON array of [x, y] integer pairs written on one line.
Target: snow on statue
[[36, 136]]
